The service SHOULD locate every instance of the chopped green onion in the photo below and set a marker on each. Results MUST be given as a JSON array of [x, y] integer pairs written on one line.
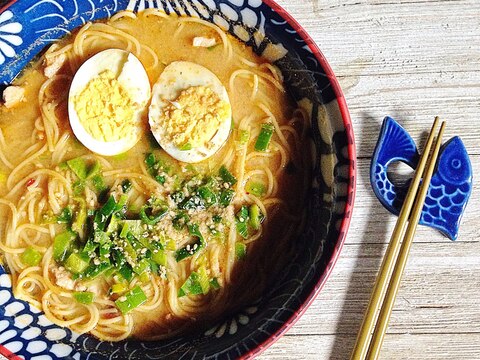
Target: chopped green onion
[[144, 277], [226, 197], [94, 271], [243, 136], [84, 297], [207, 195], [80, 215], [31, 257], [124, 232], [159, 257], [134, 227], [150, 161], [62, 244], [240, 250], [264, 137], [65, 216], [142, 266], [131, 300], [77, 263], [153, 216], [242, 222], [203, 279], [98, 183], [255, 216], [255, 188], [186, 147], [227, 176], [126, 186], [195, 284], [180, 221], [118, 288], [109, 207], [126, 272], [214, 284], [94, 170], [170, 245], [178, 197], [78, 187], [191, 249], [217, 219], [79, 167]]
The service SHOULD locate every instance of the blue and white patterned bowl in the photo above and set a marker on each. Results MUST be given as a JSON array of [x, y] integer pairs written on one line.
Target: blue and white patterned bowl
[[27, 26]]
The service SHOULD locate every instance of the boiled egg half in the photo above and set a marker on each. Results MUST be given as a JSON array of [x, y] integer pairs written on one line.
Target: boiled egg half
[[107, 102], [190, 114]]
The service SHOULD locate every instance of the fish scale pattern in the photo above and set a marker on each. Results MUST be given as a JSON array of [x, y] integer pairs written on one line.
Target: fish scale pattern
[[451, 183], [38, 23]]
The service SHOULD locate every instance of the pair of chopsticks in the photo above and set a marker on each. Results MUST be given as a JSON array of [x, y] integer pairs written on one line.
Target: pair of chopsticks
[[372, 332]]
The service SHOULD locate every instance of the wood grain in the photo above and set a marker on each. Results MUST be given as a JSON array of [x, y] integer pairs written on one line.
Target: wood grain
[[411, 60]]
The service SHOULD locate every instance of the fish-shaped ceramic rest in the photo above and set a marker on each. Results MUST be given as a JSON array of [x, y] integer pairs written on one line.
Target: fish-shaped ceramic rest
[[450, 187]]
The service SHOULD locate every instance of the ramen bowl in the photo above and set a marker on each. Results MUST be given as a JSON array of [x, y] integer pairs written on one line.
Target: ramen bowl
[[28, 26]]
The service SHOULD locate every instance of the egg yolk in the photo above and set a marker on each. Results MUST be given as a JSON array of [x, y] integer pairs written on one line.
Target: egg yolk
[[105, 109], [193, 118]]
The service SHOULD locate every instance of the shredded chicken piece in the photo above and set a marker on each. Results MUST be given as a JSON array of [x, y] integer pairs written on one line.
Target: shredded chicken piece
[[64, 279], [201, 41], [53, 66], [13, 95]]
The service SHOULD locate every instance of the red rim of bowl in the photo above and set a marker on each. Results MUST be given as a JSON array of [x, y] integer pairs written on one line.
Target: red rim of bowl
[[351, 186]]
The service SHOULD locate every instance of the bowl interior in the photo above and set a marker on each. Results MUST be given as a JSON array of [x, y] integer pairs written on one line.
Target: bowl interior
[[271, 32]]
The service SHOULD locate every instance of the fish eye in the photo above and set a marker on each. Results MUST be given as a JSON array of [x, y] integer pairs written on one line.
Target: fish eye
[[456, 163]]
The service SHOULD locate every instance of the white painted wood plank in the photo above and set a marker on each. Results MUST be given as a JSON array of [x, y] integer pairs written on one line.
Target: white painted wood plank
[[411, 60], [396, 347]]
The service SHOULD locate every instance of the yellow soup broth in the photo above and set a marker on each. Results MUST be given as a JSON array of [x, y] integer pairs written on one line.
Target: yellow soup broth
[[42, 196]]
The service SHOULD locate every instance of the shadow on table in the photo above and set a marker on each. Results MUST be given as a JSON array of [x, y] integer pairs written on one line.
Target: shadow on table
[[364, 272]]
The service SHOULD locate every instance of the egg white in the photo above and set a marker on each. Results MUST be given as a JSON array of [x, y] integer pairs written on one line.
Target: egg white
[[179, 76], [131, 74]]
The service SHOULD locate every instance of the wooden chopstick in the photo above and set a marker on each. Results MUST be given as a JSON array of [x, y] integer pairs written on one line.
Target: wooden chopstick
[[365, 335], [384, 317]]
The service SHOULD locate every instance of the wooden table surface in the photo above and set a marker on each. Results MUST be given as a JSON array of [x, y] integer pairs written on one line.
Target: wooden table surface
[[411, 60]]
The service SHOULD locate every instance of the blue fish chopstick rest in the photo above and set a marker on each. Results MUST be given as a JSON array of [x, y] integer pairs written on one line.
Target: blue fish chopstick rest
[[449, 189]]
